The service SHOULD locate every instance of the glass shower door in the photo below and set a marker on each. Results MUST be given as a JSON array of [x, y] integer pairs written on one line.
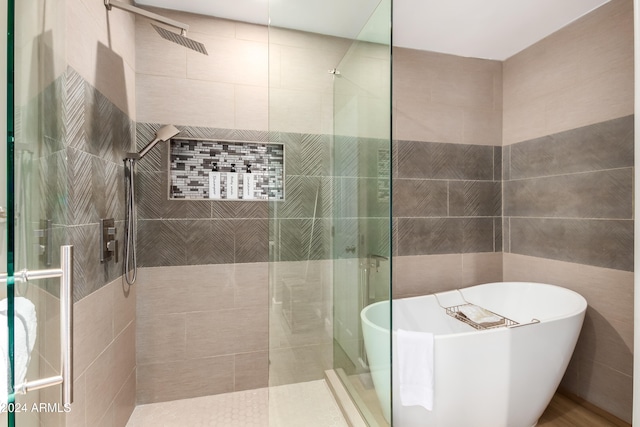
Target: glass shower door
[[362, 211], [33, 215]]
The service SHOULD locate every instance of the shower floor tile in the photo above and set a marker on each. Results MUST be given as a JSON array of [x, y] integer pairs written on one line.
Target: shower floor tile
[[308, 404]]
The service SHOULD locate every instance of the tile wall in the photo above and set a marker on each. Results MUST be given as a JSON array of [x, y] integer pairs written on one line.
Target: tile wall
[[79, 178], [448, 231], [201, 330], [568, 192], [180, 237], [568, 196], [447, 180], [98, 135]]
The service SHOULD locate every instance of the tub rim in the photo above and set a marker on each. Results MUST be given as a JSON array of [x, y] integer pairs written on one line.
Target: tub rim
[[580, 298]]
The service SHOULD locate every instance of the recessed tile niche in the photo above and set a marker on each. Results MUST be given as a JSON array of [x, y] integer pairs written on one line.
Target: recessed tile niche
[[204, 169]]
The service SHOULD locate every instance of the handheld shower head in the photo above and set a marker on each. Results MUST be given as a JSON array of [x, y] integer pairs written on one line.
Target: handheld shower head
[[163, 134]]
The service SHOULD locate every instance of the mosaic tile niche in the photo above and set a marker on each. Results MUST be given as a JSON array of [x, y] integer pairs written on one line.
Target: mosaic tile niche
[[192, 160]]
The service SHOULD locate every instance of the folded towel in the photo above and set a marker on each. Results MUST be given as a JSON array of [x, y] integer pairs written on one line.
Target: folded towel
[[415, 368], [25, 331], [479, 315]]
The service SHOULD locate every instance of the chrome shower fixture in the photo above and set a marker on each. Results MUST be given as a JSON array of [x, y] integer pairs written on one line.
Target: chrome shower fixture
[[165, 133], [180, 39]]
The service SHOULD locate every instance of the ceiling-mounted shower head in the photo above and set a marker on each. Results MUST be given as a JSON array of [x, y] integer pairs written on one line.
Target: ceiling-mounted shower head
[[165, 133], [181, 40]]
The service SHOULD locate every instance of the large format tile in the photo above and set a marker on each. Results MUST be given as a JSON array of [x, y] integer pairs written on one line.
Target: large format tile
[[426, 274], [161, 338], [93, 328], [420, 198], [604, 194], [605, 145], [602, 243], [182, 289], [444, 161], [236, 331], [161, 382], [475, 198]]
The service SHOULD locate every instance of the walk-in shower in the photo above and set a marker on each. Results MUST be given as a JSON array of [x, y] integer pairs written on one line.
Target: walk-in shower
[[130, 263]]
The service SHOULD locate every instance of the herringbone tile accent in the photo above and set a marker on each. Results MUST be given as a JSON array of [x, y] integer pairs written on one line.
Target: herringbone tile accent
[[75, 110], [475, 198], [240, 210], [81, 198], [210, 242], [251, 240], [162, 242]]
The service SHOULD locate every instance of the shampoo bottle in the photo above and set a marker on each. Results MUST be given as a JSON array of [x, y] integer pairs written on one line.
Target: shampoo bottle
[[214, 183], [248, 184], [232, 183]]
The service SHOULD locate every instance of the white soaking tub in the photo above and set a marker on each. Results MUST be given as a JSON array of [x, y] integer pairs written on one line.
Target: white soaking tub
[[499, 377]]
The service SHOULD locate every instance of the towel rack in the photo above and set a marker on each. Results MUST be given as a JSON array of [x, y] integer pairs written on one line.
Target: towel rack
[[65, 273]]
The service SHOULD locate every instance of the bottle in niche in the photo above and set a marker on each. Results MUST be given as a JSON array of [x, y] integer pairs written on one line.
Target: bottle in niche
[[232, 183], [214, 182], [248, 184]]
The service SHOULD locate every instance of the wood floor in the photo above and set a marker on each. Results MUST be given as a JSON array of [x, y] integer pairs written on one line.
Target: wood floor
[[561, 412], [564, 412]]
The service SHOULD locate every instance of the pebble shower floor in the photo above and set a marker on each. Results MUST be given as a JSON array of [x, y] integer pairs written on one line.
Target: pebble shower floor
[[307, 404]]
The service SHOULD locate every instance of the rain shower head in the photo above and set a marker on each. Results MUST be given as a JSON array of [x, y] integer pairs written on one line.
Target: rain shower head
[[180, 39], [165, 133]]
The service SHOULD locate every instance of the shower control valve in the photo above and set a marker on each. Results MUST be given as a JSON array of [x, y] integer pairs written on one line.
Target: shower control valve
[[108, 242]]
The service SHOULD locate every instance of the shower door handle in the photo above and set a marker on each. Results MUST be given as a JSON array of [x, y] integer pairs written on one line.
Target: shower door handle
[[65, 273]]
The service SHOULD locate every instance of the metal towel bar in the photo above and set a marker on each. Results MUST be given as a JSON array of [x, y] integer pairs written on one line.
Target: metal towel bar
[[65, 273]]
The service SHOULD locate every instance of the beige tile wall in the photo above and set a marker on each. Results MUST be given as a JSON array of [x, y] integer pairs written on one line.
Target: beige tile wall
[[226, 89], [446, 98], [300, 321], [601, 369], [451, 99], [39, 46], [427, 274], [580, 75], [100, 48], [201, 330], [104, 357]]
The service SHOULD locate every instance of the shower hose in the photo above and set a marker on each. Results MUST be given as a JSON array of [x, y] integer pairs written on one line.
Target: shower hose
[[130, 265]]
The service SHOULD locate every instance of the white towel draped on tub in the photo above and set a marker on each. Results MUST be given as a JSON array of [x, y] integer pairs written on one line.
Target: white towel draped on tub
[[24, 338], [415, 365]]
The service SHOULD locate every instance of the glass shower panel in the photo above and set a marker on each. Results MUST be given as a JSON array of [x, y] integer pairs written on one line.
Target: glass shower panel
[[329, 105], [362, 208], [34, 190]]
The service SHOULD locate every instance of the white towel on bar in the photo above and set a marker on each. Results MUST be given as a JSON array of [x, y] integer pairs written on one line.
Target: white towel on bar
[[25, 327], [415, 368]]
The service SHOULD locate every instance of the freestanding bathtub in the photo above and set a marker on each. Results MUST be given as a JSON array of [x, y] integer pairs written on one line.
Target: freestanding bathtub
[[501, 377]]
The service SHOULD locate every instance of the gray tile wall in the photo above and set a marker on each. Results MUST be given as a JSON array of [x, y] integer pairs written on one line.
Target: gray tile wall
[[186, 232], [569, 196], [80, 179], [447, 198], [98, 135]]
